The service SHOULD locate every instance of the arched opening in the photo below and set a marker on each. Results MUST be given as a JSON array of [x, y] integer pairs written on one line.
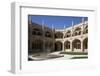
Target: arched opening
[[68, 34], [58, 46], [76, 45], [48, 34], [67, 45], [36, 31], [85, 30], [37, 45], [85, 44], [77, 31], [48, 46], [59, 35]]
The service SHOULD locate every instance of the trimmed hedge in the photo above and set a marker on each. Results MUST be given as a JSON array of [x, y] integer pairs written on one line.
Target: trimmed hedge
[[83, 57], [74, 53]]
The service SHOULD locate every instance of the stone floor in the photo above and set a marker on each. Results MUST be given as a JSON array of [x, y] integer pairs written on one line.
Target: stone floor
[[54, 56]]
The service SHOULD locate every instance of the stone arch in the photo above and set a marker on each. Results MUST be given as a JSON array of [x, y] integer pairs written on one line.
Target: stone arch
[[68, 34], [67, 46], [37, 45], [48, 34], [48, 45], [85, 44], [58, 46], [36, 31], [85, 30], [77, 31], [76, 45], [58, 35]]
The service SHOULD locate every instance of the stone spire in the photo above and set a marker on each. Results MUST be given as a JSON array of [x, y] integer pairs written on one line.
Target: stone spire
[[52, 27], [64, 26], [72, 28], [42, 24], [72, 24], [83, 20]]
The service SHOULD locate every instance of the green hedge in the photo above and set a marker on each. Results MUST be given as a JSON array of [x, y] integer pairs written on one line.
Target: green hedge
[[74, 53], [79, 57]]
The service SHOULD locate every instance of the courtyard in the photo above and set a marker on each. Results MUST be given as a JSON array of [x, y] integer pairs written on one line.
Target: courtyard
[[58, 56], [57, 39]]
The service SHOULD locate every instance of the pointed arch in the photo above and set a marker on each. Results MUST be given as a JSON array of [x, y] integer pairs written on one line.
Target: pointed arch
[[76, 44], [85, 30], [58, 46], [77, 31], [68, 34], [85, 44], [67, 45], [58, 35]]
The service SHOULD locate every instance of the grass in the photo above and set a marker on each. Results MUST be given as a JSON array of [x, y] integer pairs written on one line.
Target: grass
[[74, 53], [83, 57]]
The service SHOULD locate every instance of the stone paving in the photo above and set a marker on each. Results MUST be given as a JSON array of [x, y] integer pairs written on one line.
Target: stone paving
[[54, 56]]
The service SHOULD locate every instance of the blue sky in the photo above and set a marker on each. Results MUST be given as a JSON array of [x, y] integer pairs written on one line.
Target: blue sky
[[57, 21]]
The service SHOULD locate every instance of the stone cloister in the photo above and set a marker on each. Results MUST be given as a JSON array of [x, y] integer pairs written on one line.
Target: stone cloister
[[74, 38]]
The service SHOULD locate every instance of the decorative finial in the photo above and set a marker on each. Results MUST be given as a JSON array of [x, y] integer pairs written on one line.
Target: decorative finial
[[83, 19], [64, 26]]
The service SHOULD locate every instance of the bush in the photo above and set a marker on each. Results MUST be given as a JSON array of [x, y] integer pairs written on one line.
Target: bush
[[74, 53], [83, 57]]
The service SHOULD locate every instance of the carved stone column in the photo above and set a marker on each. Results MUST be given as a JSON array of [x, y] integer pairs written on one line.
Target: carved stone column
[[81, 45]]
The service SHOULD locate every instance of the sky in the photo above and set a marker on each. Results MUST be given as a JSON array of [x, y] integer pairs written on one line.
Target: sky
[[58, 22]]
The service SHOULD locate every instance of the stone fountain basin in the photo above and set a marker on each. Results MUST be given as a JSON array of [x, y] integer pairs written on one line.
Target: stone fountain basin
[[44, 56]]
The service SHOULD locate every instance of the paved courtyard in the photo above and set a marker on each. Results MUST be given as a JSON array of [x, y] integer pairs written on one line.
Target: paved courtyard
[[54, 56]]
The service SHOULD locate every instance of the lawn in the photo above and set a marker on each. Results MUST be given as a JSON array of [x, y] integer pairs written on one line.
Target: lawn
[[74, 53], [83, 57]]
